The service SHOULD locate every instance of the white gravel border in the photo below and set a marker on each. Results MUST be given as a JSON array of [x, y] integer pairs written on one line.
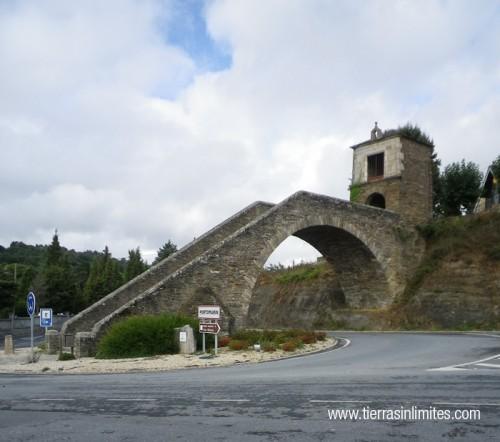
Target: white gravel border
[[48, 364]]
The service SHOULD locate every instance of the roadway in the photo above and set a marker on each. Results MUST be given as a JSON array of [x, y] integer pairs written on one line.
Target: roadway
[[24, 341], [284, 400]]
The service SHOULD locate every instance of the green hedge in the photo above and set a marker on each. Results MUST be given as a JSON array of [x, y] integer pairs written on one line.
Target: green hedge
[[139, 336]]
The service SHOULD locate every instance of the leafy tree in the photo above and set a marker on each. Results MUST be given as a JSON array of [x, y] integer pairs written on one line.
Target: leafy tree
[[135, 264], [495, 168], [460, 188], [165, 251], [104, 277], [7, 296]]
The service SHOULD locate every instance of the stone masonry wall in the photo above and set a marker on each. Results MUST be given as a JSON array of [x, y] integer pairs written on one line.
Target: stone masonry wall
[[86, 319], [407, 182], [416, 188], [228, 271]]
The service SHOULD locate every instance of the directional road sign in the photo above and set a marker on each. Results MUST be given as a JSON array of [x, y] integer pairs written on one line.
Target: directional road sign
[[31, 303], [210, 328], [45, 317]]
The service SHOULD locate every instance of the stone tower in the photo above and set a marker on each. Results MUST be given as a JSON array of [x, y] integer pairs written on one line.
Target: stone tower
[[394, 172]]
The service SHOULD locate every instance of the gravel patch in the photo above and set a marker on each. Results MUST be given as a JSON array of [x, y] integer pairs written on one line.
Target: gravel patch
[[48, 364]]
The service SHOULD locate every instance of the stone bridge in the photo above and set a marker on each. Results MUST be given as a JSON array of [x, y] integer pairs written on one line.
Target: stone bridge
[[373, 252]]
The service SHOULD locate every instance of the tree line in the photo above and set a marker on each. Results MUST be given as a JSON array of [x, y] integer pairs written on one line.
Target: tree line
[[65, 280]]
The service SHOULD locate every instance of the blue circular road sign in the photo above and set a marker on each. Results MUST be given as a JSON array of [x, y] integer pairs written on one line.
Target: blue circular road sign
[[30, 303]]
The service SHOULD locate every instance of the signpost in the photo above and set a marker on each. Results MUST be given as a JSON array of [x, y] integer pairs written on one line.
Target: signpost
[[209, 316], [46, 318], [31, 307]]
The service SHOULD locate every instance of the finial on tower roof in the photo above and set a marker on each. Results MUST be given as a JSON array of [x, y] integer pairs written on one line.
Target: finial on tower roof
[[376, 133]]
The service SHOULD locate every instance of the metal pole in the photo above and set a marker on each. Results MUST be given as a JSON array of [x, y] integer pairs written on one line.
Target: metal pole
[[32, 321], [216, 344], [203, 334], [14, 306]]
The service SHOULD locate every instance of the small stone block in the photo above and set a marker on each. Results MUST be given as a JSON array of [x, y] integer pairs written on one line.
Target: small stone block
[[52, 342], [84, 345], [9, 345], [185, 338]]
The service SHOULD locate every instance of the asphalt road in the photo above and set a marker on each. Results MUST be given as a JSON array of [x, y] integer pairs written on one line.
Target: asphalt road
[[284, 400], [24, 341]]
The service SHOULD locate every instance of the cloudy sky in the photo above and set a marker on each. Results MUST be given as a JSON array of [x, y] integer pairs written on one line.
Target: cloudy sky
[[127, 123]]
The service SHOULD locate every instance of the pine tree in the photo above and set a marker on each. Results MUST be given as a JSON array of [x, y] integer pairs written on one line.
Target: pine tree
[[104, 277], [54, 252], [165, 251], [135, 264], [58, 285]]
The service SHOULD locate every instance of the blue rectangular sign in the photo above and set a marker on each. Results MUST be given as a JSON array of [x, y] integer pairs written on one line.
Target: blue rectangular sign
[[45, 317]]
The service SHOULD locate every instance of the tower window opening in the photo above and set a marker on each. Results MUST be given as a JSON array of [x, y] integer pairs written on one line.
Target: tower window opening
[[376, 166], [376, 200]]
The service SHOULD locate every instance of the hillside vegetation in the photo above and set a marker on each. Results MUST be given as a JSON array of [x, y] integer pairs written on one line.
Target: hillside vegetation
[[456, 286]]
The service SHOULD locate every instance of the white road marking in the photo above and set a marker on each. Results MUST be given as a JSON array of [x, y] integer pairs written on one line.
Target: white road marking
[[326, 401], [489, 365], [458, 366], [472, 404], [225, 400], [347, 343], [51, 399], [131, 400], [482, 334], [450, 368]]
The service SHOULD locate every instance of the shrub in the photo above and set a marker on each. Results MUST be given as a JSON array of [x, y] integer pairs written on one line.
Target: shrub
[[66, 356], [291, 345], [238, 344], [223, 341], [139, 336], [309, 338], [250, 336], [268, 346], [320, 336]]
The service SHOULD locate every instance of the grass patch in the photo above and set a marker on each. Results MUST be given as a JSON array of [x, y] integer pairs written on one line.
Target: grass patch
[[139, 336], [300, 273]]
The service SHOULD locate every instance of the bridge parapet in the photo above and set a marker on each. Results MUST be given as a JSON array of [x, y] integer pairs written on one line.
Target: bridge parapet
[[86, 319], [373, 251]]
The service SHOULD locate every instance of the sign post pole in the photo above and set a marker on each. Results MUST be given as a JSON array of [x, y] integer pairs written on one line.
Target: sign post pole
[[31, 306], [32, 321], [209, 316]]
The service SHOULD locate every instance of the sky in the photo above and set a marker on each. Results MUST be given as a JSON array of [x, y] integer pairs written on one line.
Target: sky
[[128, 123]]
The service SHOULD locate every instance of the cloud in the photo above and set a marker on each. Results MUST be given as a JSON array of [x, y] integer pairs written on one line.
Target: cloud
[[116, 128]]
